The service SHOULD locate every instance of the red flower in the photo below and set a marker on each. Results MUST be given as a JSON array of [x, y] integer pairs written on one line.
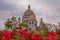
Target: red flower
[[39, 37], [1, 35], [48, 36], [58, 32], [51, 35], [14, 30], [33, 36], [28, 39], [36, 37], [13, 37], [21, 38], [24, 32], [7, 35]]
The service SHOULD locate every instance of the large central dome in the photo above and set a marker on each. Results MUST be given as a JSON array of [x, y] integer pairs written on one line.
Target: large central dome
[[28, 13]]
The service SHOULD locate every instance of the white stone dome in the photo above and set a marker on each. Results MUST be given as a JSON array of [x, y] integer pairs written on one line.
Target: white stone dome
[[29, 13]]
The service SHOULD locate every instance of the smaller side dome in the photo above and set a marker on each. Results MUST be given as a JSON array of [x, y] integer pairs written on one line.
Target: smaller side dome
[[19, 18]]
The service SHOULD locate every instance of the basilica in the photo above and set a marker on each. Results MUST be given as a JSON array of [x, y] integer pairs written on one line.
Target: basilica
[[29, 19]]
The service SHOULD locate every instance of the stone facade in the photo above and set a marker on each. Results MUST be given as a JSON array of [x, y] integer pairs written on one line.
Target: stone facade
[[15, 21], [29, 18]]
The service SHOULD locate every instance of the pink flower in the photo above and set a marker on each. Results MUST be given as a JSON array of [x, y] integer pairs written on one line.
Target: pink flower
[[33, 36], [48, 36], [24, 32], [51, 35], [13, 37], [7, 35], [36, 37], [39, 37], [58, 32], [21, 38], [1, 35]]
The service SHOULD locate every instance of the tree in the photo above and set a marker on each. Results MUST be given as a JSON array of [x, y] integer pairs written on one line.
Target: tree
[[8, 24], [22, 25], [39, 30]]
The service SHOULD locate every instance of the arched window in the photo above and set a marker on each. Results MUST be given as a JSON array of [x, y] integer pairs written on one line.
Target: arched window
[[26, 21], [29, 22], [32, 22]]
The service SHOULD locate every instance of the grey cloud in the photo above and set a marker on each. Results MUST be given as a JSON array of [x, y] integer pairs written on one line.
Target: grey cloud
[[9, 8], [55, 3], [4, 6]]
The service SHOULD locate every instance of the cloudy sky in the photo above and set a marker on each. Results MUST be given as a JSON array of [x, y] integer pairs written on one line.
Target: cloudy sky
[[49, 10]]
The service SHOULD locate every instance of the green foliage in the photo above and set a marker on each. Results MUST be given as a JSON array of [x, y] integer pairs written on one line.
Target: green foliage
[[22, 25], [41, 31], [31, 31], [38, 29], [8, 24], [43, 27]]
